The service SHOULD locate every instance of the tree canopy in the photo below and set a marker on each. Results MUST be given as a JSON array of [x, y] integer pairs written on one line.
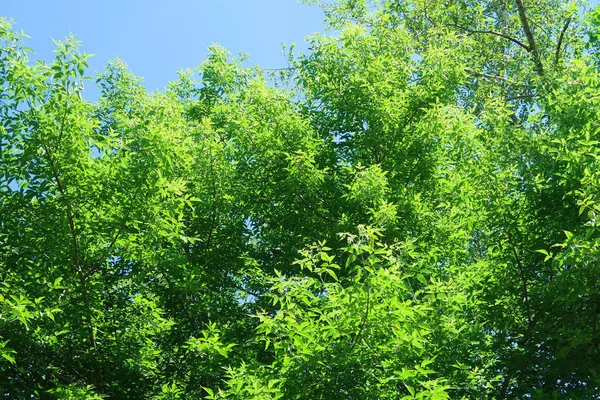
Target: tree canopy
[[406, 211]]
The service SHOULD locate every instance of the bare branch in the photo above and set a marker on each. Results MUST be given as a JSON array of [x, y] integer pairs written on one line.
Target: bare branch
[[315, 211], [495, 33], [531, 48], [523, 280], [279, 69], [247, 291], [560, 40], [496, 77], [522, 96]]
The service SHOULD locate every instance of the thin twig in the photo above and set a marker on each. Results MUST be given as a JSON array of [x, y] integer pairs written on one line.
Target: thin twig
[[523, 280], [250, 292], [315, 211], [495, 77], [214, 201], [495, 33], [365, 318], [279, 69], [522, 96]]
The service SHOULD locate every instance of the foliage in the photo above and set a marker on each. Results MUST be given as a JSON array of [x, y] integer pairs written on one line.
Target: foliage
[[407, 211]]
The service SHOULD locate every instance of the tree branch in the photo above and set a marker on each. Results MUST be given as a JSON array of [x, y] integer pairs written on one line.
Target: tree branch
[[560, 40], [523, 280], [531, 48], [522, 96], [495, 77], [71, 221], [315, 211], [76, 258], [364, 320], [279, 69], [247, 291], [495, 33], [505, 384], [108, 250], [213, 205]]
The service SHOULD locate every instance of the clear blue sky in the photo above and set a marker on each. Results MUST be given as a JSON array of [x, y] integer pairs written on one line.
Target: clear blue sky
[[158, 38]]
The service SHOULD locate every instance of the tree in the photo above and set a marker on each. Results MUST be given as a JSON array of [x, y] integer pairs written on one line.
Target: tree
[[407, 211]]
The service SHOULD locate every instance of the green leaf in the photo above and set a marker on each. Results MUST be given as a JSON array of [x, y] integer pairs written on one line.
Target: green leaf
[[8, 357]]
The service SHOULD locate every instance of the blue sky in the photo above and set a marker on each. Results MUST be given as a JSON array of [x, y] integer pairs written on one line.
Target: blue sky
[[158, 38]]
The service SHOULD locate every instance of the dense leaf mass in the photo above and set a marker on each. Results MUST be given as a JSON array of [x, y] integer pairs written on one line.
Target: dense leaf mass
[[409, 210]]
